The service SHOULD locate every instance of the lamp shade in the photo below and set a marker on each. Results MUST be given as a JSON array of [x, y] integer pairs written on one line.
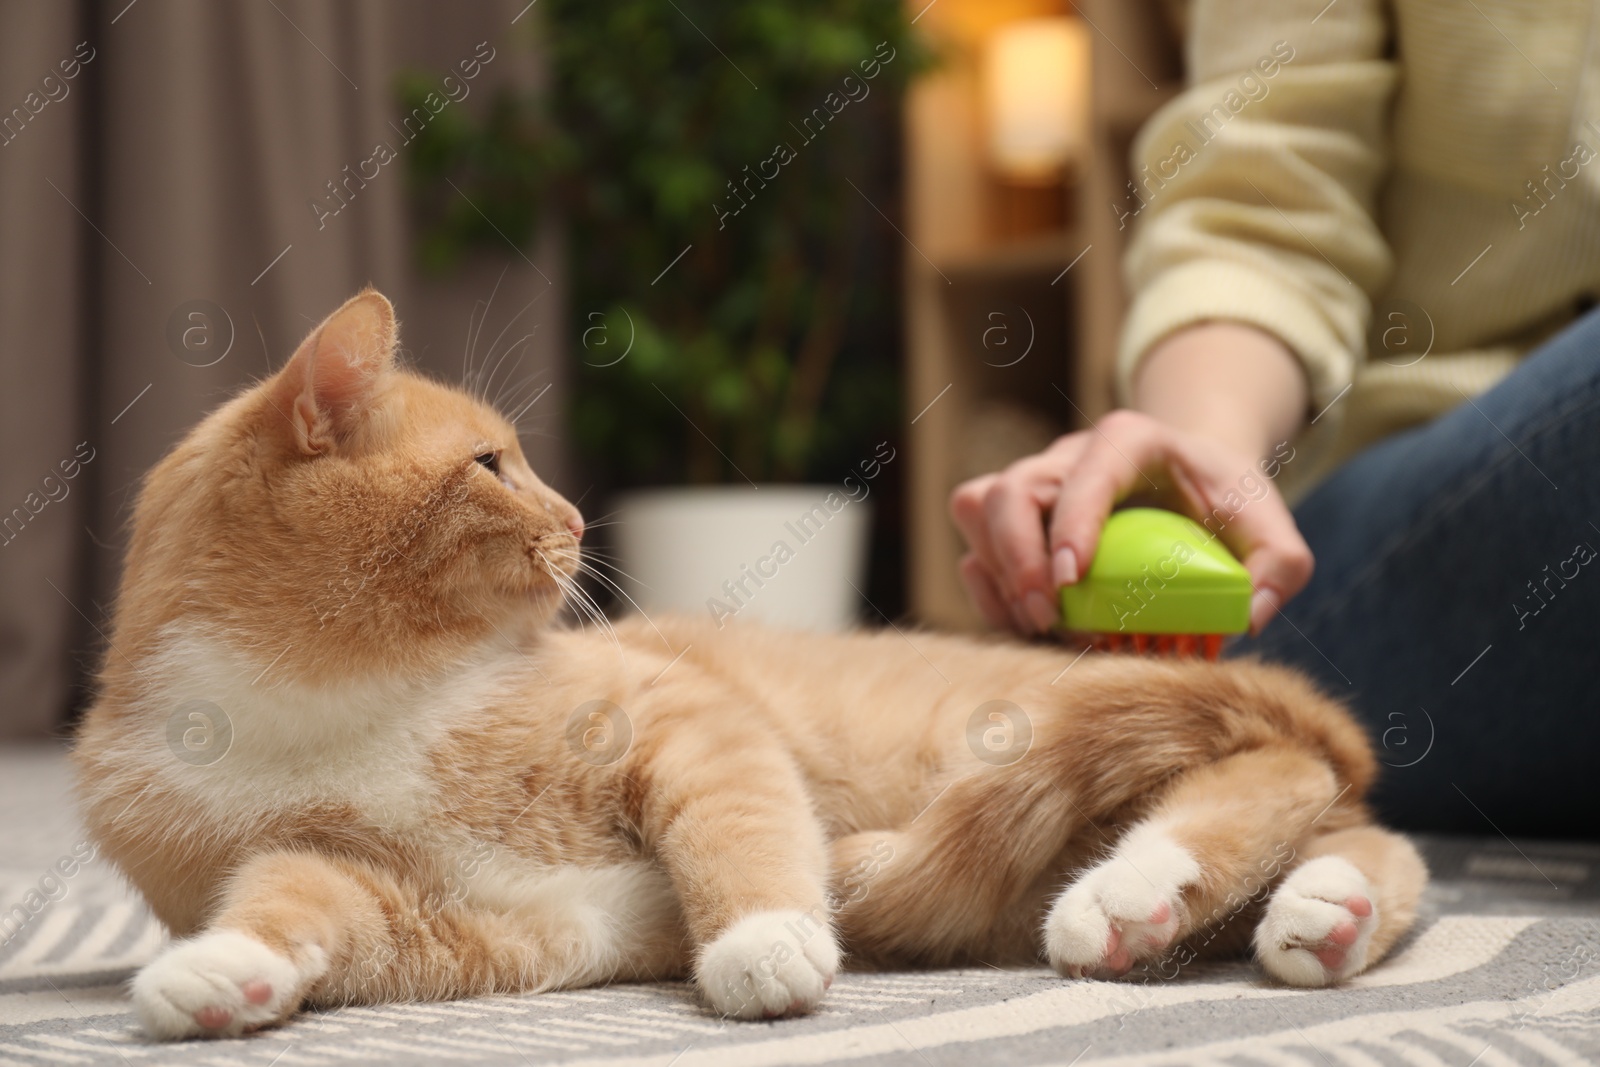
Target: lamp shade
[[1036, 88]]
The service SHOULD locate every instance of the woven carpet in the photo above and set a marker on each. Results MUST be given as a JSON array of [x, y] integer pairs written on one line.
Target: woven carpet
[[1504, 968]]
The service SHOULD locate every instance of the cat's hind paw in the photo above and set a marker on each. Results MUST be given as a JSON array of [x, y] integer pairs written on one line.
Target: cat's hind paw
[[1125, 909], [220, 984], [1318, 925], [769, 964]]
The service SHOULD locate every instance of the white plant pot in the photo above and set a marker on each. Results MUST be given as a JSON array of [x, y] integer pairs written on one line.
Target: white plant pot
[[785, 555]]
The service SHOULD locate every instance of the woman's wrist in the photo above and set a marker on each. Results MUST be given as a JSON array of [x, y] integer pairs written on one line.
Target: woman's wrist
[[1227, 382]]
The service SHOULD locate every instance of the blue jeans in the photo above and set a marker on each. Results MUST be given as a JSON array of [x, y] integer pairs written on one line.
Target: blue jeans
[[1456, 603]]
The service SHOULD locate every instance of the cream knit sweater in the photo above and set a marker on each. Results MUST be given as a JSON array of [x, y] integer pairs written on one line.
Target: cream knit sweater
[[1407, 194]]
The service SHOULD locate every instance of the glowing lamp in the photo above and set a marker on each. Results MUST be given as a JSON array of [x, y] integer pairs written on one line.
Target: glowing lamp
[[1036, 89]]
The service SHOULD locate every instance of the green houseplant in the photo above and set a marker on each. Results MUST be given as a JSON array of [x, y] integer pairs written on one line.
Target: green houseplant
[[715, 167], [722, 174]]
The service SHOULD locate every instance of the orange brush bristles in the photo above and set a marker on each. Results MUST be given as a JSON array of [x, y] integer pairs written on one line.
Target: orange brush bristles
[[1207, 645]]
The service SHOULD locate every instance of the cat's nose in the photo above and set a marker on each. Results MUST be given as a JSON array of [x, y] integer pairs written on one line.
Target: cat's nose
[[554, 505]]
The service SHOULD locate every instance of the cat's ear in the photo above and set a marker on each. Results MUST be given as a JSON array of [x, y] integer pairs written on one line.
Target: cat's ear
[[337, 372]]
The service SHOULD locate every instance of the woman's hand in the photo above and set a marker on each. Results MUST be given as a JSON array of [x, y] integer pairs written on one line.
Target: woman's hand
[[1034, 527]]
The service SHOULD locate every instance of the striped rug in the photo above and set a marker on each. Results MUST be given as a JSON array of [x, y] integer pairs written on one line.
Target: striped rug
[[1503, 969]]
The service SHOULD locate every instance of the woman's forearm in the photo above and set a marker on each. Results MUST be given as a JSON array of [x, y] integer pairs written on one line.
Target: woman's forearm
[[1231, 383]]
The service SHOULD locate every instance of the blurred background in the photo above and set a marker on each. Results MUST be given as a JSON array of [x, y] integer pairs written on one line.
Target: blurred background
[[774, 273]]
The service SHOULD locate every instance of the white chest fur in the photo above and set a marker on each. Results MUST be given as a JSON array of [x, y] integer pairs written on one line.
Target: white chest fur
[[276, 748], [265, 742], [268, 749]]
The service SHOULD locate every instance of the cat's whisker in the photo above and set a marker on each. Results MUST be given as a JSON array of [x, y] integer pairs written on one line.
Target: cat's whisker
[[529, 431], [523, 410], [578, 598], [511, 389], [585, 568], [589, 557], [511, 395], [515, 346], [496, 343], [602, 621], [594, 559], [601, 555], [565, 589], [588, 566], [581, 612], [488, 304], [531, 388], [594, 552], [466, 349], [472, 344]]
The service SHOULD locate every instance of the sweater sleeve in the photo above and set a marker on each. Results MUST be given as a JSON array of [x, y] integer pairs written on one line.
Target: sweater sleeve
[[1254, 190]]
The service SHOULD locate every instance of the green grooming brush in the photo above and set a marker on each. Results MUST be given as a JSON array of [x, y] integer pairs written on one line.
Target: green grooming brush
[[1159, 582]]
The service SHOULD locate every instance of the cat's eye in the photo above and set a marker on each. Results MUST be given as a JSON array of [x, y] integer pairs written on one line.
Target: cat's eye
[[489, 461]]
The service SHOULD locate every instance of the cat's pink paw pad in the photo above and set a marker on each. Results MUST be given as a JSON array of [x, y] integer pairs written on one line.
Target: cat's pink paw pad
[[213, 1018], [1122, 911], [1113, 962], [220, 984], [1318, 925], [1344, 935]]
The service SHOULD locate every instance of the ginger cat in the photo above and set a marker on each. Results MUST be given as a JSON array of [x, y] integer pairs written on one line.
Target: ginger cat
[[345, 756]]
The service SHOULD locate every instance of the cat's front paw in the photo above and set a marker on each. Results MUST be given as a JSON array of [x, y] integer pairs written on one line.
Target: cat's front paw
[[769, 964], [220, 984], [1319, 924], [1126, 909]]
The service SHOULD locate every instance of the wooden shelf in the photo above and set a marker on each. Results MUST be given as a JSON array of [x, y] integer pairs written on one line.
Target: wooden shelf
[[1124, 113], [1046, 253]]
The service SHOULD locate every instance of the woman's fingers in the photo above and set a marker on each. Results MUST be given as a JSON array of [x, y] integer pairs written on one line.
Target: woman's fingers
[[1002, 517], [1249, 515], [967, 508], [1014, 506], [1278, 559], [1113, 466], [1017, 506], [981, 587]]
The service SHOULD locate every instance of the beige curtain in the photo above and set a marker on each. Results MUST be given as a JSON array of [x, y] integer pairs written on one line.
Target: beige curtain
[[159, 248]]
